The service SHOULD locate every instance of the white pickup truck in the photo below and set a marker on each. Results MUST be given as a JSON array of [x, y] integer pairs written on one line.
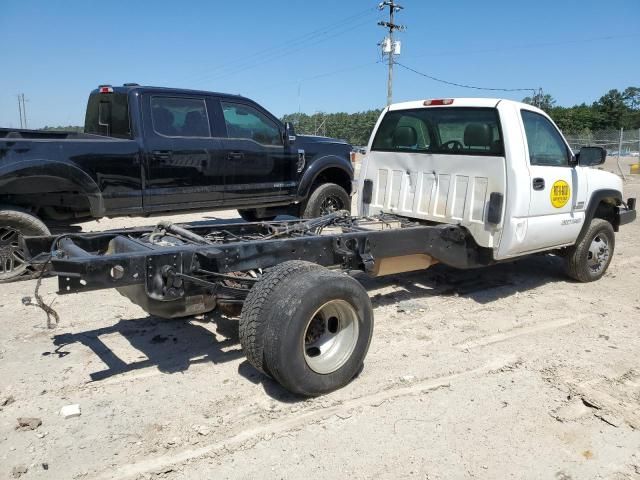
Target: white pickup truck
[[463, 182], [503, 171]]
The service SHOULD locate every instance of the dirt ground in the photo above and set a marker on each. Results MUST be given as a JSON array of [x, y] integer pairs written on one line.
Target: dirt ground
[[507, 372]]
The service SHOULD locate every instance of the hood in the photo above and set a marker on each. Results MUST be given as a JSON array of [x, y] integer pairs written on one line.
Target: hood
[[602, 180], [314, 139]]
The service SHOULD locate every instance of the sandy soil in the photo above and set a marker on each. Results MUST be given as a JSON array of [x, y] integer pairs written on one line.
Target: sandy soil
[[508, 372]]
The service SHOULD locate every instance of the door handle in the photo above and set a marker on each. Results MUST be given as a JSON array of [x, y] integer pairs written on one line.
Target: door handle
[[538, 183], [235, 156], [161, 154]]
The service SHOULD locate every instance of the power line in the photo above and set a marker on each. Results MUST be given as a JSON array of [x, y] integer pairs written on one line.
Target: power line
[[524, 47], [280, 50], [474, 87], [278, 55]]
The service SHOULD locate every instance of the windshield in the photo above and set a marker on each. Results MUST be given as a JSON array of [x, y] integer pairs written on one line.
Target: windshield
[[108, 115]]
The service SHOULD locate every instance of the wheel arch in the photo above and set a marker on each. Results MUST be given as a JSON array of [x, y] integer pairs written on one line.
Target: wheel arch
[[329, 169], [42, 176], [602, 204]]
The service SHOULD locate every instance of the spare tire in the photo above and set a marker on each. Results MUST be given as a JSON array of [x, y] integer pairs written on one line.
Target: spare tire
[[14, 224]]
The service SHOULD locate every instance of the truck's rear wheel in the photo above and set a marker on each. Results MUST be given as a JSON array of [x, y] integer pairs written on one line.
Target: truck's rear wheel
[[589, 259], [13, 225], [307, 327], [327, 198]]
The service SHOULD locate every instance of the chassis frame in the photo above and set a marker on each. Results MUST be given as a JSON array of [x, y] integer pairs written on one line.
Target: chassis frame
[[201, 266]]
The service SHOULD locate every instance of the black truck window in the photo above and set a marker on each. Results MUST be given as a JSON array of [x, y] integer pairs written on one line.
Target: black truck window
[[244, 121], [108, 115], [180, 117]]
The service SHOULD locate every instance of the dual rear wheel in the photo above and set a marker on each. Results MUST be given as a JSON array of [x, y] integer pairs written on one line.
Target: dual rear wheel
[[307, 327]]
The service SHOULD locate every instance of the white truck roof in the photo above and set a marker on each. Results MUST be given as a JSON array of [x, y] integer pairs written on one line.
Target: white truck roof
[[460, 102]]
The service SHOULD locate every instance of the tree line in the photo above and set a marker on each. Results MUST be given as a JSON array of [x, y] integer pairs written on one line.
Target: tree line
[[614, 110]]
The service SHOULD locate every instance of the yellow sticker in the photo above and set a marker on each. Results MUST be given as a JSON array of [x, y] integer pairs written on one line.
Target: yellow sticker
[[560, 193]]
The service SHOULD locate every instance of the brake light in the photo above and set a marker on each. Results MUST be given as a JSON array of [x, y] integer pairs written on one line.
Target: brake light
[[106, 89], [440, 101]]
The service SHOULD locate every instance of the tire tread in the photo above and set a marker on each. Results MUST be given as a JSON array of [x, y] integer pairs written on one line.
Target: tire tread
[[251, 330]]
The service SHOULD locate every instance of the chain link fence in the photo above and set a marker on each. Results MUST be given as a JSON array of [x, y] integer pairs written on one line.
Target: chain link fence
[[625, 143], [623, 147]]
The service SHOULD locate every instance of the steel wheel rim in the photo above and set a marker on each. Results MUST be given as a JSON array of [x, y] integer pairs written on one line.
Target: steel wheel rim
[[11, 256], [598, 254], [330, 336], [330, 204]]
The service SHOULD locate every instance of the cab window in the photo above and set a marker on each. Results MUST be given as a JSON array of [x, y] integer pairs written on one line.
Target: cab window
[[108, 115], [247, 122], [180, 117], [546, 146], [447, 130]]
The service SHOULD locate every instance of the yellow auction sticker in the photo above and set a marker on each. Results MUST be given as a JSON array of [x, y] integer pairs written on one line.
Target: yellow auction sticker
[[560, 193]]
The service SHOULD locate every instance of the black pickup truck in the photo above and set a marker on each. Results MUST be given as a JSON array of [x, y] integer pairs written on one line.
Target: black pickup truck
[[150, 150]]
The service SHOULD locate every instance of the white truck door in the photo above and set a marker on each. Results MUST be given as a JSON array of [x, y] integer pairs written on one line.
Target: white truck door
[[438, 163], [556, 210]]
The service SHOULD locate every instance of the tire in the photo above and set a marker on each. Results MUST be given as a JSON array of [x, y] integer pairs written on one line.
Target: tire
[[326, 198], [251, 328], [14, 224], [589, 259], [312, 328], [251, 215]]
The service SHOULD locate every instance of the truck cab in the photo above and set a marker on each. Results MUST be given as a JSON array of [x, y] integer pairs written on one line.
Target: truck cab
[[499, 168]]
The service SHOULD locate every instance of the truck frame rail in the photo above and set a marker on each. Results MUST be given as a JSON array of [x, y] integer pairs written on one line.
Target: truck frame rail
[[173, 270]]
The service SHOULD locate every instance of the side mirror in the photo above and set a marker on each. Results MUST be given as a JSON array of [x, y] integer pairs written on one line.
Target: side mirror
[[289, 133], [591, 156]]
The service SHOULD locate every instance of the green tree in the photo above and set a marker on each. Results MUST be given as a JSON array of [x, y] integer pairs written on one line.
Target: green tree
[[542, 101], [612, 108]]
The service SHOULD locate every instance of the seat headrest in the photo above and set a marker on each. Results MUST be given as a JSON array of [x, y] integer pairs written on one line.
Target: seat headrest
[[163, 116], [193, 117], [478, 135], [405, 136]]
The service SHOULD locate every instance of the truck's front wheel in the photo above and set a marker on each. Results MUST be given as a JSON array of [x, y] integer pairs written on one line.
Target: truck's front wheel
[[307, 327], [13, 225], [589, 259]]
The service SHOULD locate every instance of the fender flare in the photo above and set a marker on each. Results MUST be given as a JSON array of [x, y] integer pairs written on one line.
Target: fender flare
[[319, 165], [596, 197], [53, 169]]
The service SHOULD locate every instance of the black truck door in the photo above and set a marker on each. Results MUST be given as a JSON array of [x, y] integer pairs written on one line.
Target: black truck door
[[181, 171], [258, 166]]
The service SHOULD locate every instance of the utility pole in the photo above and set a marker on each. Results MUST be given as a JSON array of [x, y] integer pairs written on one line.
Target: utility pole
[[390, 47], [537, 98], [20, 110], [24, 112]]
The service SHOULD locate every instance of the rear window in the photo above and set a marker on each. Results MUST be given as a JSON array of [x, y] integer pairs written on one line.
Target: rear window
[[108, 115], [447, 130], [180, 117]]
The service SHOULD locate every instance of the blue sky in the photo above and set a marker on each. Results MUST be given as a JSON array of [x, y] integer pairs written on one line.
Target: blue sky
[[312, 55]]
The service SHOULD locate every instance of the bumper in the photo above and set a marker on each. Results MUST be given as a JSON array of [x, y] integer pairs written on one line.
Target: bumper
[[628, 214]]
